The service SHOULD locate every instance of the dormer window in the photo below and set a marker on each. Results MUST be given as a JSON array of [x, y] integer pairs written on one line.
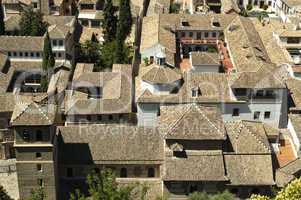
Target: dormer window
[[185, 23]]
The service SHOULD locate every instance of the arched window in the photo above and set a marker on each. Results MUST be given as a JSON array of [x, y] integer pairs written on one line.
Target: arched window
[[151, 172], [123, 172], [39, 136]]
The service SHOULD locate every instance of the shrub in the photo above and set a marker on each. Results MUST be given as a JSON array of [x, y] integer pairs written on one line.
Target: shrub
[[249, 7]]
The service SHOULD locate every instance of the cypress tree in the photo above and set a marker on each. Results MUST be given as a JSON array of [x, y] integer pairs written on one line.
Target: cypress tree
[[110, 21], [125, 19], [2, 26], [48, 58], [119, 50]]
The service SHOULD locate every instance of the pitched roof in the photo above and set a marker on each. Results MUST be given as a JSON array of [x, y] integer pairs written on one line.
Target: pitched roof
[[247, 137], [192, 122], [205, 58], [287, 173], [294, 87], [291, 33], [116, 87], [30, 113], [60, 26], [3, 60], [213, 87], [198, 166], [296, 122], [229, 5], [249, 169], [161, 75], [110, 144], [21, 43], [264, 77], [245, 45]]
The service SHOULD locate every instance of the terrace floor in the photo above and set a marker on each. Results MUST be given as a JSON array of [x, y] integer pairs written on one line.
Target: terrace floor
[[285, 154]]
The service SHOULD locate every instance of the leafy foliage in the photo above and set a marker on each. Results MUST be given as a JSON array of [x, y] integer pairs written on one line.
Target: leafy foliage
[[107, 54], [109, 22], [249, 7], [2, 25], [3, 194], [291, 191], [204, 196], [48, 58], [90, 52], [31, 23], [104, 186], [175, 8], [37, 194]]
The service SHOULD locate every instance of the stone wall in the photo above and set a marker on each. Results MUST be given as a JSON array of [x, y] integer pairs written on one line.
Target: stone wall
[[8, 177]]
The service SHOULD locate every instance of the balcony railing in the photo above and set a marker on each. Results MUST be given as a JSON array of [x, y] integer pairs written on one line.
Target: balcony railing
[[199, 41]]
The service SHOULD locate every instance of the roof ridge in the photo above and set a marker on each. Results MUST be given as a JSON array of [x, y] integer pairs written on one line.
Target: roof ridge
[[42, 112], [257, 139], [208, 119], [21, 112], [177, 121]]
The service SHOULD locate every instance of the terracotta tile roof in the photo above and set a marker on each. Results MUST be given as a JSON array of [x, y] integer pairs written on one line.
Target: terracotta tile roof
[[288, 172], [21, 43], [198, 166], [204, 58], [110, 144], [191, 122], [249, 169], [160, 74]]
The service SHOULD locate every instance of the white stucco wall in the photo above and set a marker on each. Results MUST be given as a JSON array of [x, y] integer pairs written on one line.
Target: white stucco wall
[[147, 114], [205, 68]]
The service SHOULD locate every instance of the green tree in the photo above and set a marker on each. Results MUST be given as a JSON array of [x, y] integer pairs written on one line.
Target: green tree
[[48, 58], [204, 196], [31, 23], [291, 192], [37, 194], [90, 51], [2, 25], [104, 186], [109, 22], [3, 194], [107, 54], [124, 20], [119, 56], [175, 8]]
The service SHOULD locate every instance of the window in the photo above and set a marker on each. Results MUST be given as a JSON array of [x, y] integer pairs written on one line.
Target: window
[[214, 34], [270, 93], [123, 172], [240, 91], [35, 5], [150, 172], [31, 54], [38, 155], [267, 115], [25, 135], [9, 53], [54, 42], [15, 53], [183, 34], [256, 115], [38, 54], [59, 55], [235, 112], [206, 34], [39, 167], [269, 3], [110, 117], [61, 43], [69, 172], [293, 40], [199, 35], [39, 136], [99, 117], [26, 54], [88, 117], [21, 54], [190, 34], [120, 116], [41, 182], [259, 93], [195, 92]]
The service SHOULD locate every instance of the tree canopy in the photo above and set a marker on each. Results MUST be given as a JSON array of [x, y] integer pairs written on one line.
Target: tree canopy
[[2, 25], [291, 191], [48, 58], [103, 185], [204, 196], [37, 194], [3, 194], [124, 19], [31, 23], [109, 22]]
